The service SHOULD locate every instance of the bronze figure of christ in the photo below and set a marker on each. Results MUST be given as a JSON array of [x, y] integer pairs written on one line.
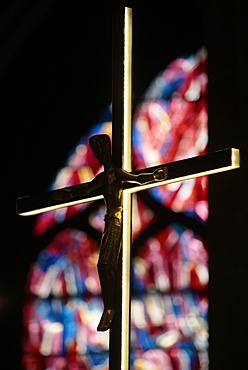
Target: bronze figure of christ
[[111, 181]]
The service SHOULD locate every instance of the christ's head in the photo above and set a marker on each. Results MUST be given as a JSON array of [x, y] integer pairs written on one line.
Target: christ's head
[[101, 147]]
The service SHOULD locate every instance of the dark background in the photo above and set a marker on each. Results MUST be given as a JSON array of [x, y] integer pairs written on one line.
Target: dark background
[[55, 78]]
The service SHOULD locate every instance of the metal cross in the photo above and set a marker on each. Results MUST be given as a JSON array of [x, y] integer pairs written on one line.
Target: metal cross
[[219, 161]]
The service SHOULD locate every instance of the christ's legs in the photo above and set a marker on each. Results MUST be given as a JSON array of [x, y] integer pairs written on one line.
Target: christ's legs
[[107, 280], [107, 264]]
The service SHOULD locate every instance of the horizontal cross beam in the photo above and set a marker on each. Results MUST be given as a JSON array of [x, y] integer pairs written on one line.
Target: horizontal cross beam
[[185, 169]]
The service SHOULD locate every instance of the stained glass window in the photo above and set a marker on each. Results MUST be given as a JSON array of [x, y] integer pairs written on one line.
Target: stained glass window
[[169, 308]]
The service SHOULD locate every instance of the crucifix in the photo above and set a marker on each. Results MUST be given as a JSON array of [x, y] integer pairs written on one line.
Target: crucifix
[[116, 184]]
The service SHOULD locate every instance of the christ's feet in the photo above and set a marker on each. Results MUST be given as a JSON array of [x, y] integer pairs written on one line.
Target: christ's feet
[[106, 319]]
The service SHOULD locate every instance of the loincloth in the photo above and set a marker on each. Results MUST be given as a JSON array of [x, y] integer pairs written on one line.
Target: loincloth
[[111, 239]]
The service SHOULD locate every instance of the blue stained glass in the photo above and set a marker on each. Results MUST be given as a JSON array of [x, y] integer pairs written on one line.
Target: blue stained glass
[[67, 266]]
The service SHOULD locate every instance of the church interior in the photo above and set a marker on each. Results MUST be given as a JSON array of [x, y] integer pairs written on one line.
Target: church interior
[[56, 81]]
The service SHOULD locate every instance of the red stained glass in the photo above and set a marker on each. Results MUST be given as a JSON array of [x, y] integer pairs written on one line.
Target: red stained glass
[[172, 124]]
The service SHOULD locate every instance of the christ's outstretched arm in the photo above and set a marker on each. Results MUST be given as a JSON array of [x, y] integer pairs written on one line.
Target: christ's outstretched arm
[[159, 174], [81, 190]]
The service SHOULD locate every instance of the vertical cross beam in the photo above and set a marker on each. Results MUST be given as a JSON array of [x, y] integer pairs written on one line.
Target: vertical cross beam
[[121, 147]]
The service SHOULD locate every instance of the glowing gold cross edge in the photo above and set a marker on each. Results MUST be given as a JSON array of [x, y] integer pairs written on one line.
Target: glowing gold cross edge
[[127, 165]]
